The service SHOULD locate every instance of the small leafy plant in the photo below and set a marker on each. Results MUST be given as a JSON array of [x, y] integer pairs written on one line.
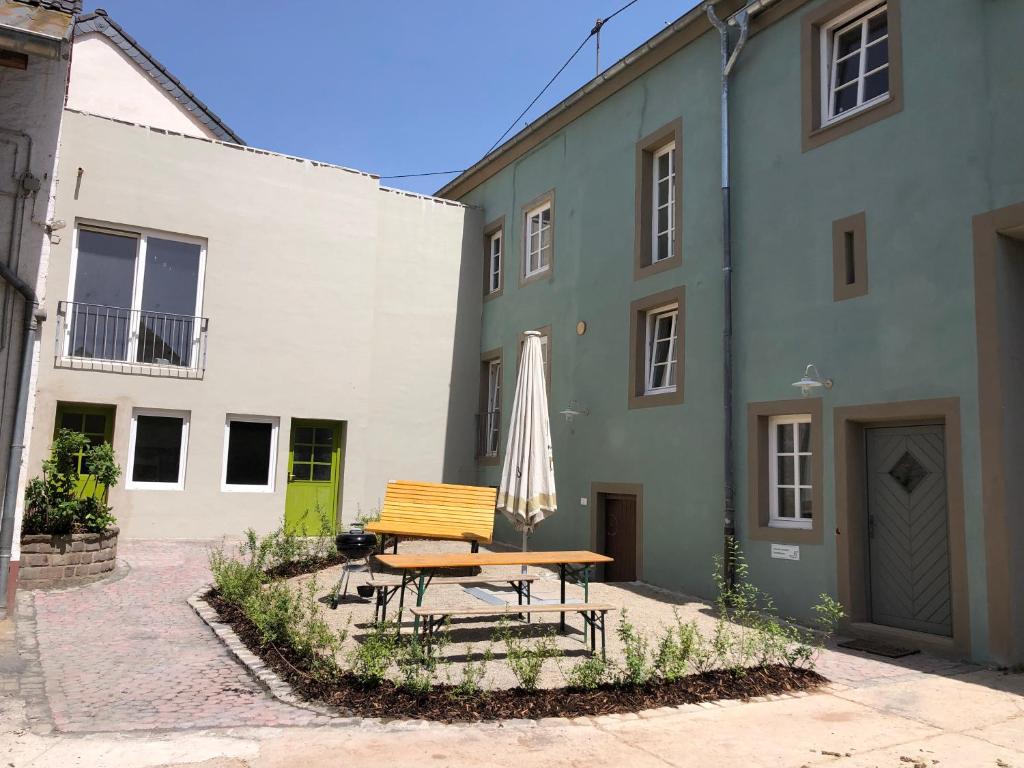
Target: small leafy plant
[[372, 658], [675, 649], [526, 660], [60, 502], [589, 673], [638, 668]]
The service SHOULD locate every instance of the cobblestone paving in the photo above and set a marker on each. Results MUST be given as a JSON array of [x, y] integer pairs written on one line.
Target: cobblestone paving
[[131, 655]]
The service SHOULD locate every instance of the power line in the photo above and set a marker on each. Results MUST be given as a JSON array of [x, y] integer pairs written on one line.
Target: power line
[[593, 32], [429, 173]]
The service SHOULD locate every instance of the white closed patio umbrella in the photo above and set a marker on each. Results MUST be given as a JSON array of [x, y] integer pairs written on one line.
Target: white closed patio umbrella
[[526, 494]]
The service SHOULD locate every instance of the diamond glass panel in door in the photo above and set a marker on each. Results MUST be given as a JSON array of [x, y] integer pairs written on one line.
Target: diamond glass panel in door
[[167, 324], [860, 62], [661, 351], [157, 457], [104, 280], [664, 202]]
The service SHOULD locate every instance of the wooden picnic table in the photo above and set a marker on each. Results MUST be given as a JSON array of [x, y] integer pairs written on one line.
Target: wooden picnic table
[[420, 569]]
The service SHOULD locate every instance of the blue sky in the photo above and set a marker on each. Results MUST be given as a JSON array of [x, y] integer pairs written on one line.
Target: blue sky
[[387, 87]]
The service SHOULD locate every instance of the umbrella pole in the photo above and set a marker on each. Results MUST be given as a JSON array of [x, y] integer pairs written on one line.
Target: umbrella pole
[[523, 570]]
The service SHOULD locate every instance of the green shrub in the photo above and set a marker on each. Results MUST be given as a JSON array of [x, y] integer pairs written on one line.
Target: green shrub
[[372, 658], [526, 660], [473, 673], [638, 668], [589, 673], [677, 645], [417, 663], [54, 503]]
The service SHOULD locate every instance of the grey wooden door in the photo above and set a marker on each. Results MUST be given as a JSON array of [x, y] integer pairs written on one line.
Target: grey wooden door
[[908, 528]]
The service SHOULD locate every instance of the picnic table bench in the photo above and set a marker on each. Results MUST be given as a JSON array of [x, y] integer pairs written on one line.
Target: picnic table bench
[[418, 510], [388, 585], [421, 570], [593, 615]]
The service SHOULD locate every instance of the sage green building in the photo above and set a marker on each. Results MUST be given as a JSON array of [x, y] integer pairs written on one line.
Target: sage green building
[[877, 187]]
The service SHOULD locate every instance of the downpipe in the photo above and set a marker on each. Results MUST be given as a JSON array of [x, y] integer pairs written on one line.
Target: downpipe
[[728, 61], [34, 315]]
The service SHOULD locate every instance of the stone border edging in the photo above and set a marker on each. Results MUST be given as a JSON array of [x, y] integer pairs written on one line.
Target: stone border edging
[[280, 690], [254, 665]]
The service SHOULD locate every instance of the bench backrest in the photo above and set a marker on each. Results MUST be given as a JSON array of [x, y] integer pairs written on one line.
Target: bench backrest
[[438, 510]]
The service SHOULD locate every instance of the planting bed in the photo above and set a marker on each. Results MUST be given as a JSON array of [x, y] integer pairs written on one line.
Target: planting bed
[[442, 704]]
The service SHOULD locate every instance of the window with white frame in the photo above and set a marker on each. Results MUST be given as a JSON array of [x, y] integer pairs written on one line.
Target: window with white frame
[[660, 345], [135, 297], [250, 453], [663, 202], [492, 419], [157, 447], [537, 250], [789, 471], [855, 60], [494, 262]]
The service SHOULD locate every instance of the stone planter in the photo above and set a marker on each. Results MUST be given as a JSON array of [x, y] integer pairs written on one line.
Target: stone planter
[[67, 560]]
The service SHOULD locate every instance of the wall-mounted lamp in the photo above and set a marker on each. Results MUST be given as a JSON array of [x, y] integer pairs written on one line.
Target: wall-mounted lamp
[[573, 411], [811, 381]]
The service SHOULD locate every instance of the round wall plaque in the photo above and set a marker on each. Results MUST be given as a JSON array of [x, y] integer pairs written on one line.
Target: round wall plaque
[[581, 328]]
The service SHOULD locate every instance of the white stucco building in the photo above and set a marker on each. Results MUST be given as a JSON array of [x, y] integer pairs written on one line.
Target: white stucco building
[[260, 337]]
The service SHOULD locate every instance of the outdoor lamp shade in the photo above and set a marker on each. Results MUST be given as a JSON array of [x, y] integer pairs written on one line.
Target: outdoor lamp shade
[[526, 494]]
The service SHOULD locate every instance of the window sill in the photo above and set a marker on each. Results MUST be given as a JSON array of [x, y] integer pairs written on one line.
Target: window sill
[[494, 294], [154, 486], [853, 121], [657, 399], [536, 277], [246, 489], [781, 535], [488, 461], [646, 270]]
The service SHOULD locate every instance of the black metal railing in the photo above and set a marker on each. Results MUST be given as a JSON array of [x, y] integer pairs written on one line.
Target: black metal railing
[[97, 332]]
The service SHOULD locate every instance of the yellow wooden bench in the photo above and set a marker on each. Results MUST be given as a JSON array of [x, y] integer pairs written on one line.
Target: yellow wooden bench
[[414, 510]]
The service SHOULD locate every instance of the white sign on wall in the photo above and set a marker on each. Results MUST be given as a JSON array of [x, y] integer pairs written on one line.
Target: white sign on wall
[[785, 552]]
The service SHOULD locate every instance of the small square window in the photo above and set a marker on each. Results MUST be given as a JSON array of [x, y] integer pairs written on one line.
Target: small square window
[[250, 454], [791, 490], [157, 450]]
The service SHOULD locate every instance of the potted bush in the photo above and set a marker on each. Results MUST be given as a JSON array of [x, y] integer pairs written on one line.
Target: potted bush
[[69, 533]]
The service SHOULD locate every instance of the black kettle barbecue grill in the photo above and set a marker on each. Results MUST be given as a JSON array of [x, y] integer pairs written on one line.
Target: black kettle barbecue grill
[[355, 546]]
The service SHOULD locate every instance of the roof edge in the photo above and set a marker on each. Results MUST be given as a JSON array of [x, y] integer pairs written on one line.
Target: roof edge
[[686, 29], [174, 87]]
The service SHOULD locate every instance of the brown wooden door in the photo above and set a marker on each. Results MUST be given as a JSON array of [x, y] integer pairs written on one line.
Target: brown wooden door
[[619, 537]]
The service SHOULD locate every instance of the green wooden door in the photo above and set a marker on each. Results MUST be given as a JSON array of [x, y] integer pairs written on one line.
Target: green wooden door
[[96, 422], [314, 473]]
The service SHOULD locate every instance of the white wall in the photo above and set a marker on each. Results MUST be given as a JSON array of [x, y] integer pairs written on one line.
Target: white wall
[[104, 81], [328, 298]]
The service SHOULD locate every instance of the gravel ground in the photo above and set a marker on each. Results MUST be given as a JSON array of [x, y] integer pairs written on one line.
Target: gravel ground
[[650, 610]]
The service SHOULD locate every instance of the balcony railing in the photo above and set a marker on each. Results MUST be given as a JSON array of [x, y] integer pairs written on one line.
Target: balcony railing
[[130, 340]]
